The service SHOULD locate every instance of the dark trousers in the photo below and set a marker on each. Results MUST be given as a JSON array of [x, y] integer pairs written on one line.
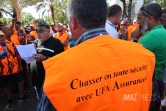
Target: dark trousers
[[155, 105]]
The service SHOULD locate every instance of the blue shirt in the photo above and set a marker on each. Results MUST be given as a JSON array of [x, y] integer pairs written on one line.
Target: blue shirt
[[111, 29]]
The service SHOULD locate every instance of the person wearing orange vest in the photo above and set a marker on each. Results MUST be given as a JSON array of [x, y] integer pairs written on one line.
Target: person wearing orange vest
[[14, 37], [127, 29], [62, 36], [10, 65], [98, 73], [33, 32], [16, 28]]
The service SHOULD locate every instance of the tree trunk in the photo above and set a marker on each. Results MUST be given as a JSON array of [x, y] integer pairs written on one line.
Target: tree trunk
[[52, 13], [124, 7], [17, 10], [129, 9]]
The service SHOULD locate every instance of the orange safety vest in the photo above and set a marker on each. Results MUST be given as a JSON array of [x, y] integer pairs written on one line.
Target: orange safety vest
[[34, 34], [63, 37], [99, 76], [130, 30], [15, 40], [15, 32], [9, 65]]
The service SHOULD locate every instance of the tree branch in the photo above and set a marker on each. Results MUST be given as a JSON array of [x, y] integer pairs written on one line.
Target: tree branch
[[25, 3]]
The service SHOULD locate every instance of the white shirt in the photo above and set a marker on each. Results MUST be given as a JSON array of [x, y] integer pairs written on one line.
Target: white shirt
[[110, 28]]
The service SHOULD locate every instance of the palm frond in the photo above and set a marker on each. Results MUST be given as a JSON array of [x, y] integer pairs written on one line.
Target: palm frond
[[39, 7], [4, 11], [43, 12]]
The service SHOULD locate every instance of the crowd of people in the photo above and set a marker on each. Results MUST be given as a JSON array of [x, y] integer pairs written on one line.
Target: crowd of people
[[98, 50]]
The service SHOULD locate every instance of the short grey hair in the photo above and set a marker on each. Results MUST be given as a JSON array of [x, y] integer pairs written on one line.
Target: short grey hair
[[90, 13]]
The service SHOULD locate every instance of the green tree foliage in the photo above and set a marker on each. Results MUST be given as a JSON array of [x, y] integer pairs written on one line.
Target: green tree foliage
[[57, 9], [162, 3], [26, 18], [127, 12], [9, 5], [7, 21], [3, 11]]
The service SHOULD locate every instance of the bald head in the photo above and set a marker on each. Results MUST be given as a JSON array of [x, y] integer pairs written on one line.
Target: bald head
[[7, 31], [124, 23], [134, 21]]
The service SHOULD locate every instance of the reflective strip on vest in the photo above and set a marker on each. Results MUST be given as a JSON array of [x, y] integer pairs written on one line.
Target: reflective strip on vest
[[100, 74]]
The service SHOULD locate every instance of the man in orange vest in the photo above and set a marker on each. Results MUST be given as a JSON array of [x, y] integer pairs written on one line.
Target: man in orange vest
[[99, 75], [14, 37], [33, 32], [10, 65], [62, 36], [126, 29]]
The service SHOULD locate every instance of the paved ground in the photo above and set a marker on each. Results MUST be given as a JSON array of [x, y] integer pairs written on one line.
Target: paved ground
[[24, 106]]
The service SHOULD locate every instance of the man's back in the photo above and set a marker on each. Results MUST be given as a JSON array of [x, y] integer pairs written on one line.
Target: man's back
[[98, 75], [155, 41]]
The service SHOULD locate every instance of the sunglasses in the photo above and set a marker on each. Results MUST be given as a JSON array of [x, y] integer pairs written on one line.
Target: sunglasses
[[144, 9]]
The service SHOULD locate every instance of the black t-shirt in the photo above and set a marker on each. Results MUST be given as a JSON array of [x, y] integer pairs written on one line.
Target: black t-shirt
[[49, 48]]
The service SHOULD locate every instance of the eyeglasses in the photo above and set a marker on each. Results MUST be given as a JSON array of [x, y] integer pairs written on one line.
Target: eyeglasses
[[144, 9]]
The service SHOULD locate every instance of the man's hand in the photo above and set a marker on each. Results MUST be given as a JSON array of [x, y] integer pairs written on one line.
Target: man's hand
[[136, 33], [39, 57], [124, 33], [65, 43]]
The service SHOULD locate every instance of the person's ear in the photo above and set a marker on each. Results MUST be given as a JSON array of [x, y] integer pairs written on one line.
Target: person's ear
[[150, 18], [73, 23]]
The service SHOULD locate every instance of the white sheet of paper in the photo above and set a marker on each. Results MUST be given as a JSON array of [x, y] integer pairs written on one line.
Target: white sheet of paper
[[26, 52]]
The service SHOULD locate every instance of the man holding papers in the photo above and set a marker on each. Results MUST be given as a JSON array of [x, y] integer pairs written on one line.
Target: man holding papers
[[46, 47]]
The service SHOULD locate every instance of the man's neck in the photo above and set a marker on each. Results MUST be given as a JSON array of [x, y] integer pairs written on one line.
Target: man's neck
[[154, 25], [112, 20], [45, 40]]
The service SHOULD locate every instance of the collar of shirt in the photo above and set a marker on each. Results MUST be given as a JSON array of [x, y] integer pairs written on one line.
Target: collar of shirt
[[110, 23], [91, 34]]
